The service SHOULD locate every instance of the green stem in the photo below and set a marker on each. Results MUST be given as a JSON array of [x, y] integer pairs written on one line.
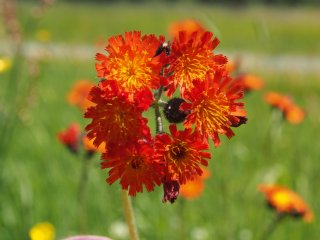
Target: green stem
[[156, 105], [272, 226], [182, 228], [81, 194], [129, 215]]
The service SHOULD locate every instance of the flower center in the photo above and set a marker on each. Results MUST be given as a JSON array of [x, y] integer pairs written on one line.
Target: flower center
[[178, 152], [132, 73], [192, 66], [213, 113], [136, 162]]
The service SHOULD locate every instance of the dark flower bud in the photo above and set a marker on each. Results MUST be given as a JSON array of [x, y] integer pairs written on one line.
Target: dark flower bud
[[242, 120], [171, 191], [172, 112]]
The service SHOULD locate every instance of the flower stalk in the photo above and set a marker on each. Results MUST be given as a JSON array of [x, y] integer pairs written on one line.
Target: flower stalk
[[81, 194], [272, 226], [129, 215], [157, 103]]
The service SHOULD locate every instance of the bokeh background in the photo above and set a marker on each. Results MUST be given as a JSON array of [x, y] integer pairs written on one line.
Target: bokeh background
[[47, 46]]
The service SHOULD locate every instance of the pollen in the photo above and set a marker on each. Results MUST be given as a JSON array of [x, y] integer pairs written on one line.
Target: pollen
[[132, 74], [178, 151], [212, 114], [190, 66]]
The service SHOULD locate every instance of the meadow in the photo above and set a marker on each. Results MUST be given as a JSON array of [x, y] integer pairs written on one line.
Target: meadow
[[40, 177]]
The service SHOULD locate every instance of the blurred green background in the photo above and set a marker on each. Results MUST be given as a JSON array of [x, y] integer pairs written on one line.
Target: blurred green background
[[39, 177]]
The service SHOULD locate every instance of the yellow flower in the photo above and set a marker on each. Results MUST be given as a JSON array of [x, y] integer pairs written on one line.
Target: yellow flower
[[5, 64], [43, 35], [42, 231]]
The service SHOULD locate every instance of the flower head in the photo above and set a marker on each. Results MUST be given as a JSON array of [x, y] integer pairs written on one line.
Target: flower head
[[135, 167], [188, 25], [192, 58], [70, 137], [131, 62], [250, 82], [193, 189], [293, 113], [5, 64], [232, 65], [278, 100], [171, 190], [90, 147], [182, 153], [213, 106], [116, 120], [285, 201], [78, 95], [42, 231], [43, 35]]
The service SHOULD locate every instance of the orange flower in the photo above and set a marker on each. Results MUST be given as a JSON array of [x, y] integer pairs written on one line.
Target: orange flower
[[182, 154], [90, 147], [193, 189], [131, 62], [294, 114], [135, 167], [291, 111], [213, 107], [116, 121], [188, 25], [232, 66], [192, 58], [285, 201], [278, 100], [79, 93], [250, 82], [70, 137]]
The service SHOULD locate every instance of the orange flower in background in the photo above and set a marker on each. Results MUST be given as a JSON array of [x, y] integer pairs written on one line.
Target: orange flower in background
[[250, 82], [232, 65], [116, 121], [285, 201], [192, 58], [135, 167], [182, 153], [213, 107], [132, 62], [278, 100], [70, 137], [193, 189], [90, 147], [292, 113], [188, 25], [79, 93]]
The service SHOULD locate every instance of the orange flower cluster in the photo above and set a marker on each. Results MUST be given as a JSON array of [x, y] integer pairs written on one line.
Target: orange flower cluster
[[135, 72], [292, 113], [285, 201]]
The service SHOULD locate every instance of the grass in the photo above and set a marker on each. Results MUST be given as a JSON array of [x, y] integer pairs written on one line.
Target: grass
[[40, 177], [240, 29]]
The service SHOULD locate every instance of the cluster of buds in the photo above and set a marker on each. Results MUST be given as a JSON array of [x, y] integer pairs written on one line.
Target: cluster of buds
[[138, 71]]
